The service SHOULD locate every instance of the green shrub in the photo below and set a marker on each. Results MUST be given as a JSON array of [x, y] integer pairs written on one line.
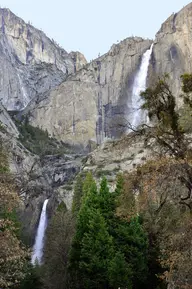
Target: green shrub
[[117, 161], [38, 141], [185, 119], [4, 165], [68, 187], [101, 173], [143, 159]]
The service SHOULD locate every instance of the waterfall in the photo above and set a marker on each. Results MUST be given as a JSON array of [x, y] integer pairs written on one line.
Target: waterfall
[[26, 98], [139, 116], [39, 240]]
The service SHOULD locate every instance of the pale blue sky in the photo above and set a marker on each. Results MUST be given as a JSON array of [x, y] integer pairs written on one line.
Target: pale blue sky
[[92, 26]]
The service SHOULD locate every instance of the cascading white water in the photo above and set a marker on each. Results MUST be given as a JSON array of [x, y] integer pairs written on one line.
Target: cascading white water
[[138, 116], [26, 98], [39, 240]]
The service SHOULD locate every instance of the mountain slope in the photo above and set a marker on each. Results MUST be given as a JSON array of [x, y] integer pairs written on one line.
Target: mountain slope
[[91, 103], [30, 62]]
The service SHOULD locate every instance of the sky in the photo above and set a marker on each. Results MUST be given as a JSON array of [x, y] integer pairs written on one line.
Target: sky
[[92, 26]]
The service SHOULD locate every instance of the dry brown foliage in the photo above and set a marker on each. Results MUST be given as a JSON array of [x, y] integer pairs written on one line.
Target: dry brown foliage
[[157, 190], [12, 253]]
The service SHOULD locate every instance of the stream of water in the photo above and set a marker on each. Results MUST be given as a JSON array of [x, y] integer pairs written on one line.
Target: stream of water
[[139, 116], [39, 240]]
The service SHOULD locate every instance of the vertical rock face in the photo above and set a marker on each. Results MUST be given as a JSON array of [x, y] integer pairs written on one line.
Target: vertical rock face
[[30, 62], [92, 104], [79, 102], [7, 124], [79, 60], [172, 51]]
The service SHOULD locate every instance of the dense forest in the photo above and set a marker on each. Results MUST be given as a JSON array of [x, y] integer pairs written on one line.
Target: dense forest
[[135, 235]]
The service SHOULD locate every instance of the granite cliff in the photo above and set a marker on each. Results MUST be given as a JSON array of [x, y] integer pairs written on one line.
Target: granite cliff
[[76, 101], [173, 48], [31, 64], [92, 103]]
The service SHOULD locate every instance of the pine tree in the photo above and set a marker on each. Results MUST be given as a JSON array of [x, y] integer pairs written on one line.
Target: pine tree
[[89, 202], [96, 252], [119, 185], [133, 243], [106, 251], [78, 193], [88, 183], [160, 103], [32, 279], [106, 200], [120, 272], [92, 246]]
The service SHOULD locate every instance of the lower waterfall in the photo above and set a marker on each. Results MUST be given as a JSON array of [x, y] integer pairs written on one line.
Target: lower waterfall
[[39, 240], [139, 116]]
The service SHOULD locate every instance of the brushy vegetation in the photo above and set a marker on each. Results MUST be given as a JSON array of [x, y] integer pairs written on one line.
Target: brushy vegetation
[[38, 141], [155, 190], [185, 118], [13, 254], [4, 165]]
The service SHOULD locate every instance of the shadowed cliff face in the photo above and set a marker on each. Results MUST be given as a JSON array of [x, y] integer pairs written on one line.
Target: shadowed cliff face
[[172, 51], [30, 62], [92, 103]]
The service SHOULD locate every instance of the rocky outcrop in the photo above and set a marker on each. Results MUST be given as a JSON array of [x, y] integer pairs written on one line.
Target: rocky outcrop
[[92, 103], [30, 62], [172, 52], [117, 156], [79, 60], [49, 178], [37, 178], [6, 122]]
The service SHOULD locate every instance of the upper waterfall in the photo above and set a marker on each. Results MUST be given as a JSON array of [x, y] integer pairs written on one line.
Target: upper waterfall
[[39, 240], [139, 116]]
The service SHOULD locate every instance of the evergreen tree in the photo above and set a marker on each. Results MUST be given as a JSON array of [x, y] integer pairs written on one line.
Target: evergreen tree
[[96, 252], [32, 279], [88, 183], [78, 193], [107, 252], [133, 243], [89, 201], [106, 200], [160, 103], [107, 203], [119, 185], [120, 273]]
